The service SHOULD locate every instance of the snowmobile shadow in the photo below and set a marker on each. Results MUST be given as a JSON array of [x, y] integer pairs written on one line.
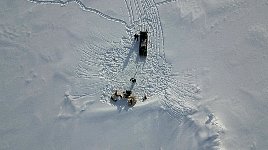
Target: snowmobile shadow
[[134, 48], [140, 59], [121, 104]]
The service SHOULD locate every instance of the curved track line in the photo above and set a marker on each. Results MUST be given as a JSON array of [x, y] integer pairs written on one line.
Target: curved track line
[[83, 7]]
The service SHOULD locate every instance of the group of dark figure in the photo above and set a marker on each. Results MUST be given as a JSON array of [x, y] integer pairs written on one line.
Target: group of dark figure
[[127, 93]]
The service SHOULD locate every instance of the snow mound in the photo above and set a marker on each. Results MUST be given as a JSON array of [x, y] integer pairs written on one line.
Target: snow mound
[[204, 134], [190, 8], [73, 105]]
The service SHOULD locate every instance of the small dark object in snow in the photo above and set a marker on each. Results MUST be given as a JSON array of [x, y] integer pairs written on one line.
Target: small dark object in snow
[[131, 101], [116, 96], [127, 93], [133, 80], [144, 98], [113, 98], [136, 37]]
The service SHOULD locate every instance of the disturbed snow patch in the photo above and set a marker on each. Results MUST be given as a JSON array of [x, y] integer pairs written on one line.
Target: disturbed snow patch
[[258, 35], [73, 105], [198, 8], [215, 7], [205, 15], [202, 130]]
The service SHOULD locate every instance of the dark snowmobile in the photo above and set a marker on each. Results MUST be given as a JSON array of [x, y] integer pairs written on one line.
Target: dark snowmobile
[[143, 43]]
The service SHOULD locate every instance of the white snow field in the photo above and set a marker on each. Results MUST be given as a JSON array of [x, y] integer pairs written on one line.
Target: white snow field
[[205, 76]]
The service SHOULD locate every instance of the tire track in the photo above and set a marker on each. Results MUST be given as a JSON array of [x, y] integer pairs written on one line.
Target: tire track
[[175, 94], [129, 12], [138, 11], [165, 2], [155, 74]]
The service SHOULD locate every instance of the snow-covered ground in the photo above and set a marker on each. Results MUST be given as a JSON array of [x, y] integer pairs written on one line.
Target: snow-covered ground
[[206, 74]]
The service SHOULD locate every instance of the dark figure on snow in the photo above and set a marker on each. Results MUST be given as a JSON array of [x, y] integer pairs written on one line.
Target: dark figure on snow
[[116, 93], [144, 98], [136, 37], [127, 93], [133, 80]]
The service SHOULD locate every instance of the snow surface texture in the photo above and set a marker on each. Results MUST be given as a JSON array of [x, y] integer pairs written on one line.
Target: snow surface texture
[[62, 60]]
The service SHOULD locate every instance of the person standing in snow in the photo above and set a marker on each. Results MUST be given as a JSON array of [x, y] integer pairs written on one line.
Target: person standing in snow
[[144, 98], [136, 37], [133, 80]]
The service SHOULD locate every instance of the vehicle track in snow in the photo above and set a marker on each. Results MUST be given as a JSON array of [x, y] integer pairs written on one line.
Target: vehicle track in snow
[[156, 72], [165, 2]]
